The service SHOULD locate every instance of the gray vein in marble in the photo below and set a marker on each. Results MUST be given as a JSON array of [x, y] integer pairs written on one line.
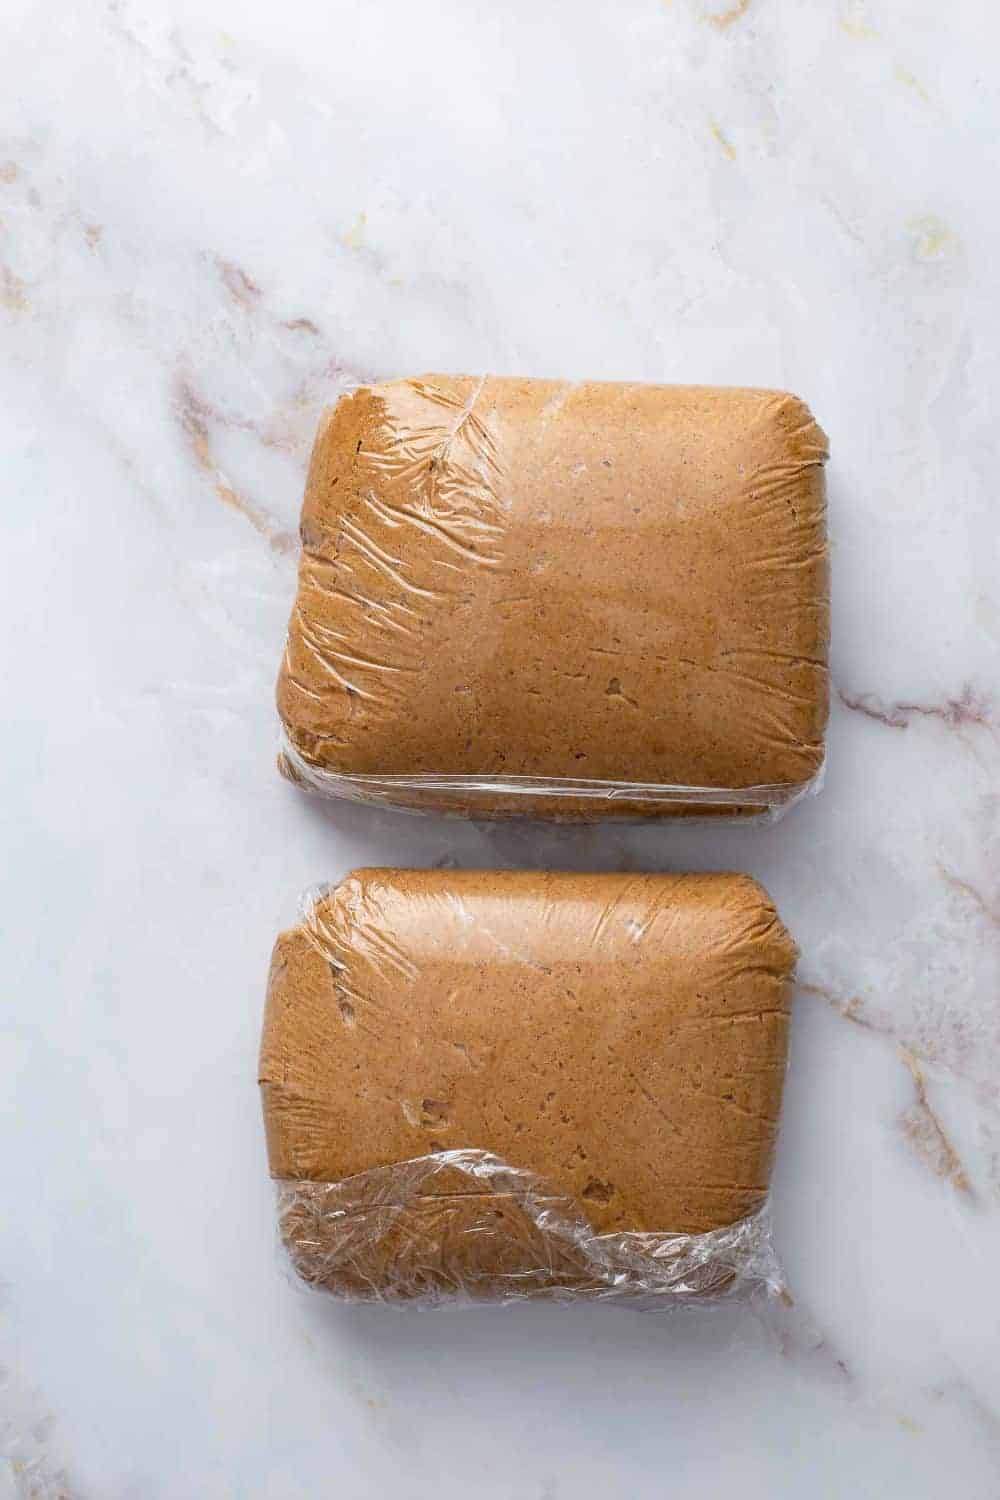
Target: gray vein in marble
[[968, 709], [197, 417], [963, 1393], [798, 1337], [851, 230], [172, 64]]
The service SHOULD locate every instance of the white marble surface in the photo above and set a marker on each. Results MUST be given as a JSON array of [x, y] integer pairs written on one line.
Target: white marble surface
[[213, 214]]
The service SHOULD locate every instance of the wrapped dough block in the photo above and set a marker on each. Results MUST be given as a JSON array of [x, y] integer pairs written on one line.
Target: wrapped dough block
[[576, 601], [510, 1084]]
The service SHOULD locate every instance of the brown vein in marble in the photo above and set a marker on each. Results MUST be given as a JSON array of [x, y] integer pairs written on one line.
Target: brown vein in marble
[[29, 1435], [920, 1123], [794, 1330], [904, 76], [727, 146], [966, 888], [854, 1010], [354, 238], [62, 219], [13, 291], [211, 414], [923, 1128], [238, 283], [850, 1010], [247, 292], [197, 417], [800, 1340], [288, 428], [723, 19], [933, 239], [968, 710], [858, 29]]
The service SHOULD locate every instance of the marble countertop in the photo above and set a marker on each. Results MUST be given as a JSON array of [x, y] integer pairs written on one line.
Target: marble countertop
[[213, 218]]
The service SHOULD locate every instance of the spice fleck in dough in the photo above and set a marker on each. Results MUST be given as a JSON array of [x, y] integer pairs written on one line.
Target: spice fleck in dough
[[621, 1037], [607, 587]]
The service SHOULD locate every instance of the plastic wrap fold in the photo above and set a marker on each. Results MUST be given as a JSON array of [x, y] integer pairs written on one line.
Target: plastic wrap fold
[[462, 1225]]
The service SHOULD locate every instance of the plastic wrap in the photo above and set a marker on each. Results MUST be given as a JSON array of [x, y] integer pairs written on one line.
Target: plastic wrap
[[465, 1226], [497, 1085], [573, 601]]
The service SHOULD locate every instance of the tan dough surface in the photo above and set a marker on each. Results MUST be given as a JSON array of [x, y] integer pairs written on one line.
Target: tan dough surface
[[622, 1036], [503, 577]]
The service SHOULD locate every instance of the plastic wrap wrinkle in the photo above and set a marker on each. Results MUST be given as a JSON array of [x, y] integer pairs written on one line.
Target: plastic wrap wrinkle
[[374, 789], [508, 584], [509, 1238]]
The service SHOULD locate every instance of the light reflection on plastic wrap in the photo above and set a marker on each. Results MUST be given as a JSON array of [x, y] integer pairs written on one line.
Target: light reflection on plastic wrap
[[463, 1226], [604, 796]]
